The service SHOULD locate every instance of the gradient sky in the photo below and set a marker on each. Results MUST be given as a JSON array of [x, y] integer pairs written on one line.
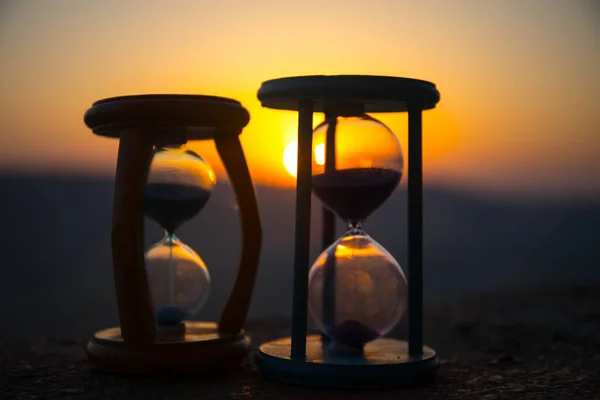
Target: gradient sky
[[519, 79]]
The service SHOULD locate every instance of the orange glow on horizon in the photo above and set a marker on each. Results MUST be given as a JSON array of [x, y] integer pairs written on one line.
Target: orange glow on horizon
[[512, 109]]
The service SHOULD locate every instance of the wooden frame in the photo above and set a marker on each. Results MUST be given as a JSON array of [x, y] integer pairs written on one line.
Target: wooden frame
[[136, 121], [306, 360]]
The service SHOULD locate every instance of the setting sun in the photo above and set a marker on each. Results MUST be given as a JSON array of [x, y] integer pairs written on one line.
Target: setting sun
[[469, 140], [290, 156]]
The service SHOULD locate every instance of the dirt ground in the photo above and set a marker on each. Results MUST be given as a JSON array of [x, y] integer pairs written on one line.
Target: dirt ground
[[528, 345]]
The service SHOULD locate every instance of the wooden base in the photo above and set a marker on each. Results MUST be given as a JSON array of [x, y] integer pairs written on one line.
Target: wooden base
[[383, 363], [201, 348]]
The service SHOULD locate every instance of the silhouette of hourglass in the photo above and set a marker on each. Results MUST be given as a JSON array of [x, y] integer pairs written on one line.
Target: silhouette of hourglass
[[179, 185], [357, 290], [158, 289]]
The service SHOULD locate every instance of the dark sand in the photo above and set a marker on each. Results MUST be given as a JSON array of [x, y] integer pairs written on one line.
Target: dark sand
[[353, 194], [172, 205], [353, 333], [168, 316]]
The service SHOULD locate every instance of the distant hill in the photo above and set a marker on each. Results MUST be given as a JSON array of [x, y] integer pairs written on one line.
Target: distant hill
[[56, 260]]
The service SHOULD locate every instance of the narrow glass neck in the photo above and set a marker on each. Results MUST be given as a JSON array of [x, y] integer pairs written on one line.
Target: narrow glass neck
[[355, 228], [170, 237]]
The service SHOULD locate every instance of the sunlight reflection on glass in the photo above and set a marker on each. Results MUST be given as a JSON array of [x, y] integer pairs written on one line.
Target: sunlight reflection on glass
[[290, 156]]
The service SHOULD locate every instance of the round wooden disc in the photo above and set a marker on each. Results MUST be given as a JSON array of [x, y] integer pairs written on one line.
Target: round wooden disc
[[384, 363], [376, 93], [202, 348], [199, 117]]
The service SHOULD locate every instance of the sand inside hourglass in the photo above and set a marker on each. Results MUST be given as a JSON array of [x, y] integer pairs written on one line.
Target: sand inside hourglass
[[171, 205], [353, 194], [353, 333]]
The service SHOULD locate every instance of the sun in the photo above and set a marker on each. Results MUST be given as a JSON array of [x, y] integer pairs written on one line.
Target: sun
[[290, 156]]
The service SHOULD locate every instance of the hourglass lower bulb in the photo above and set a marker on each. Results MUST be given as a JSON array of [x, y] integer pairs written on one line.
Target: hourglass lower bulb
[[357, 290], [178, 279], [179, 185]]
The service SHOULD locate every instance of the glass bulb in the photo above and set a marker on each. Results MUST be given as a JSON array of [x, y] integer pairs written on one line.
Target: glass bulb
[[178, 280], [362, 168], [357, 290], [179, 185]]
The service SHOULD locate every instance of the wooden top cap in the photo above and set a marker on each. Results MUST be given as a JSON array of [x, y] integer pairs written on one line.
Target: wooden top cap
[[200, 117], [376, 93]]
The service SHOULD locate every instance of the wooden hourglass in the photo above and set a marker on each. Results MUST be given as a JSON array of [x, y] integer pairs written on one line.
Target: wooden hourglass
[[356, 292], [153, 335]]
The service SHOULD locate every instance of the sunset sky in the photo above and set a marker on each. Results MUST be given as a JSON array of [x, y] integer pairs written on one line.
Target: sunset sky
[[519, 79]]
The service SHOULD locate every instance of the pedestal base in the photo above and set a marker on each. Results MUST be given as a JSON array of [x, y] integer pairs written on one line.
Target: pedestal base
[[202, 348], [384, 363]]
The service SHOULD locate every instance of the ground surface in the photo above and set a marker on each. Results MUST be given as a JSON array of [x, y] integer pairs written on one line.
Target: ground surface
[[536, 345]]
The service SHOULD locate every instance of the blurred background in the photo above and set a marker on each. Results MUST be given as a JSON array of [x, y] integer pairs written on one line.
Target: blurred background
[[512, 187]]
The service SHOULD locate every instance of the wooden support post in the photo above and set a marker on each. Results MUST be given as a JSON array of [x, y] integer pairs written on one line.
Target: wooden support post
[[236, 309], [133, 300], [302, 239], [415, 232]]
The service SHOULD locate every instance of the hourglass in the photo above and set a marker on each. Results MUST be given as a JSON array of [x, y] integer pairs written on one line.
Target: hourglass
[[179, 185], [356, 292], [160, 290]]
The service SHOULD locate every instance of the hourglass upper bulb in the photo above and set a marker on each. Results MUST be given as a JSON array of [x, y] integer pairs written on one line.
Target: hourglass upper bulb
[[180, 183], [360, 169]]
